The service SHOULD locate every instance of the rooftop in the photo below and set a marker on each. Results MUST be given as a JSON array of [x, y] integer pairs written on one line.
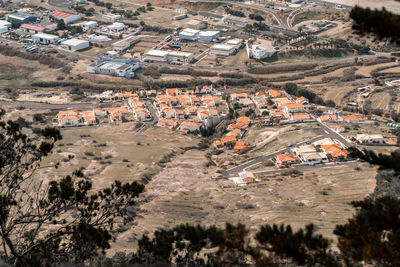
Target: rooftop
[[62, 14], [189, 31], [157, 53], [74, 42], [222, 47]]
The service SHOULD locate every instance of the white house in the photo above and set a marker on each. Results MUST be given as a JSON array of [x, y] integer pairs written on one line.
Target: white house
[[75, 44], [45, 38], [370, 138], [189, 34], [314, 158], [116, 27], [222, 50], [260, 52]]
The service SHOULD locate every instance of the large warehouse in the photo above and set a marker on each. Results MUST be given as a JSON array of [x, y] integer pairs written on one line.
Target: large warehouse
[[156, 55], [189, 34], [120, 67], [67, 17], [177, 56], [75, 44], [44, 38], [208, 36], [222, 50], [21, 18]]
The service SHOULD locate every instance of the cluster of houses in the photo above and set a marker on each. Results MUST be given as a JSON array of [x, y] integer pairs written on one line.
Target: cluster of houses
[[321, 151], [188, 111], [232, 142], [135, 110]]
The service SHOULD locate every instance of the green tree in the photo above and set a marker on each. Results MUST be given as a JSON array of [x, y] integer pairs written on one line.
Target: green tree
[[61, 25], [45, 223]]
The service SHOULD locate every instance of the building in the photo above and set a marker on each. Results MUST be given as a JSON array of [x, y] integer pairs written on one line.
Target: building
[[286, 160], [180, 16], [314, 158], [189, 34], [112, 17], [190, 126], [177, 56], [116, 27], [370, 139], [21, 18], [5, 26], [156, 55], [89, 25], [67, 17], [125, 44], [237, 43], [196, 24], [210, 15], [75, 44], [244, 178], [30, 28], [120, 67], [208, 36], [44, 38], [98, 38], [235, 21], [222, 50], [259, 52]]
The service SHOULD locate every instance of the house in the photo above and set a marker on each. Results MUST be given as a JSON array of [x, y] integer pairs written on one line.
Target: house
[[244, 178], [191, 110], [304, 149], [206, 89], [228, 140], [239, 125], [302, 100], [314, 158], [274, 93], [301, 117], [67, 17], [169, 113], [116, 117], [338, 155], [286, 160], [116, 27], [241, 147], [100, 112], [370, 139], [260, 52], [340, 129], [327, 117], [243, 119], [173, 91], [89, 117], [140, 114], [190, 126], [237, 133], [180, 114], [217, 145], [44, 38], [246, 102], [209, 103], [168, 123], [222, 50], [123, 110], [69, 118], [75, 44], [328, 149], [134, 102], [353, 119], [293, 107]]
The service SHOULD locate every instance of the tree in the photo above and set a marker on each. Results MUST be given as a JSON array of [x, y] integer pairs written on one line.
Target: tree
[[61, 25], [108, 5], [41, 223], [373, 234]]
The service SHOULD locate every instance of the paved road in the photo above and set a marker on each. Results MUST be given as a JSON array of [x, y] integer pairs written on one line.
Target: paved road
[[36, 105]]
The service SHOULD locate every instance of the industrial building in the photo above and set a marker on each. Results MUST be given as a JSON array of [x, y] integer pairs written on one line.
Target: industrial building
[[260, 52], [5, 26], [189, 34], [98, 38], [196, 24], [30, 28], [75, 44], [209, 15], [237, 43], [222, 50], [67, 17], [112, 17], [44, 38], [168, 56], [21, 18], [208, 36], [124, 44], [120, 67], [89, 25], [156, 55]]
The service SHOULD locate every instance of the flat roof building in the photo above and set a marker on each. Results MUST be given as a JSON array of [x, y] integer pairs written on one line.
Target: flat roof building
[[89, 25], [124, 44], [112, 17], [4, 26], [98, 38], [168, 56], [189, 34], [75, 44], [177, 56], [44, 38], [222, 50], [208, 36], [236, 21], [196, 24], [67, 17], [260, 52], [120, 67], [21, 18], [116, 27], [156, 55]]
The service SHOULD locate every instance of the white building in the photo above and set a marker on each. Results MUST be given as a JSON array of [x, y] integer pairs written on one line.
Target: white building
[[314, 158], [259, 52], [89, 25], [222, 50], [156, 55], [112, 17], [75, 44], [67, 17], [44, 38], [5, 26], [208, 36], [177, 56], [236, 21], [120, 67], [189, 34], [370, 139], [98, 38], [116, 27]]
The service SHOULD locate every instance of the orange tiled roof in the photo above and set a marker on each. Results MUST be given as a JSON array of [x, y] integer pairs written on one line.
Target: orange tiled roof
[[274, 93], [228, 139], [287, 157], [328, 117], [301, 116]]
